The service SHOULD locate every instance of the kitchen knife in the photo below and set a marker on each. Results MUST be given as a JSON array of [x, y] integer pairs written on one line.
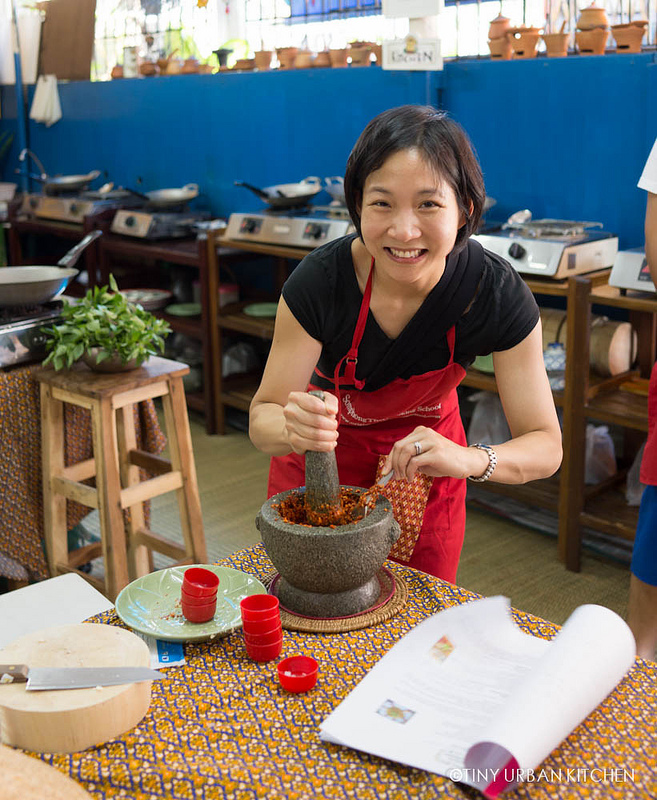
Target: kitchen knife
[[41, 678]]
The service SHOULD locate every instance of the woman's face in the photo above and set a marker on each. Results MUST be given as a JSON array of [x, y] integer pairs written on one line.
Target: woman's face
[[409, 219]]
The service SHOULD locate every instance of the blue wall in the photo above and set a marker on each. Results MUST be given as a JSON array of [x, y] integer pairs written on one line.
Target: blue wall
[[564, 137]]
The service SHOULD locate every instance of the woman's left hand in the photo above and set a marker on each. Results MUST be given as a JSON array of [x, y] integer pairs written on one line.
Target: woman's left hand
[[426, 451]]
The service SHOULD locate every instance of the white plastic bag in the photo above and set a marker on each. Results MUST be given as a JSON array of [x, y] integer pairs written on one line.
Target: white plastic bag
[[488, 423], [600, 454], [239, 357]]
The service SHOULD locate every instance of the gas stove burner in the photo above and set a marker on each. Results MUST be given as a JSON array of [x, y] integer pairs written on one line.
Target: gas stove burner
[[309, 229], [22, 337], [551, 228], [334, 211], [147, 224], [31, 311]]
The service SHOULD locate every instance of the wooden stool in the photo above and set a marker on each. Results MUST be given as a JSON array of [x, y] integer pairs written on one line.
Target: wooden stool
[[110, 397]]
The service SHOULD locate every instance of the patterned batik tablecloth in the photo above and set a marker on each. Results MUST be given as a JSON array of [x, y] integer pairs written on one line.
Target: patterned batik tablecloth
[[221, 727], [21, 498]]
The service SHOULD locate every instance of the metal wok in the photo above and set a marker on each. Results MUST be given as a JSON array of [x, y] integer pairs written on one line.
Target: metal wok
[[30, 285], [165, 198], [55, 184], [286, 195]]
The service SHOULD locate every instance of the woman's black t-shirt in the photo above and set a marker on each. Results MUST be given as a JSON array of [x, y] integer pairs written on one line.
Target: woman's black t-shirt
[[323, 295]]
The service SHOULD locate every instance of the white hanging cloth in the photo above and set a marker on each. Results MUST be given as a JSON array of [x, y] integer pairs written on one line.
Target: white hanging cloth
[[46, 107]]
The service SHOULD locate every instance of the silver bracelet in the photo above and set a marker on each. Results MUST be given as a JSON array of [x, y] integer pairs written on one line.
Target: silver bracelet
[[492, 463]]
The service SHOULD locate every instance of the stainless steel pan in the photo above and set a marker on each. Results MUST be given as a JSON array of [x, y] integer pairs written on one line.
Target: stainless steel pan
[[54, 184], [165, 198], [27, 285], [286, 195]]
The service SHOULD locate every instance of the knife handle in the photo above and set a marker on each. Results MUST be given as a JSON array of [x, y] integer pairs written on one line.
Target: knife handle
[[13, 673]]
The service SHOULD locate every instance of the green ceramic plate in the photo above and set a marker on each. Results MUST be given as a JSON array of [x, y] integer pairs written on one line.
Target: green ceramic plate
[[184, 309], [261, 309], [151, 604]]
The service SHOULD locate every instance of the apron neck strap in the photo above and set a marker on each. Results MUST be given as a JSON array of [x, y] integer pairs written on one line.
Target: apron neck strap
[[351, 359]]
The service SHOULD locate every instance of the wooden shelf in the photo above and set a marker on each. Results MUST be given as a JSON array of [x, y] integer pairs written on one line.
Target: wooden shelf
[[542, 494], [232, 318], [619, 408]]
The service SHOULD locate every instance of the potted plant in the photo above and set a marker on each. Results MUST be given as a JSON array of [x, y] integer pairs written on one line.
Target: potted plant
[[106, 331]]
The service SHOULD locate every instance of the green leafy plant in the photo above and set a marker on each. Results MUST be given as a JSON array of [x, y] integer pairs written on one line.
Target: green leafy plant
[[106, 324]]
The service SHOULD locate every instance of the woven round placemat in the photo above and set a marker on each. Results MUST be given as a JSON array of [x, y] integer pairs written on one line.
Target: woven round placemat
[[393, 587]]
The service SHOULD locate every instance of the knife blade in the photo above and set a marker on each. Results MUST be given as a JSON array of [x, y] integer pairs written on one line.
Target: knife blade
[[42, 678]]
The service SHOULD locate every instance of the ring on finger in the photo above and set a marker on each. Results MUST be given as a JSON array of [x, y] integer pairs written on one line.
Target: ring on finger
[[418, 448]]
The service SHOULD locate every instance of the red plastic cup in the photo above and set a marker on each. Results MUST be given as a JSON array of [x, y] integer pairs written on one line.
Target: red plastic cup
[[199, 613], [195, 600], [297, 673], [261, 626], [200, 582], [259, 607], [264, 652], [264, 638]]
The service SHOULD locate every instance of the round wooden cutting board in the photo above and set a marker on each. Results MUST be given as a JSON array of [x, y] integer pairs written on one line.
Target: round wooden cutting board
[[27, 778], [70, 720]]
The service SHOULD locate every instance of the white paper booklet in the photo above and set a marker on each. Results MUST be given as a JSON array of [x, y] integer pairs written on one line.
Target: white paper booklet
[[468, 695]]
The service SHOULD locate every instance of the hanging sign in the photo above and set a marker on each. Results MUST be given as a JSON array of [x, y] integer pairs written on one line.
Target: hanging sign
[[413, 9], [412, 54]]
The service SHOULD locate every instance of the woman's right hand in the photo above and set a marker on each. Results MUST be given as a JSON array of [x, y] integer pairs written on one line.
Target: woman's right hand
[[311, 423]]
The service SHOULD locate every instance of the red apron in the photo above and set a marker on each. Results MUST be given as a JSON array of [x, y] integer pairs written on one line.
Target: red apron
[[430, 511], [648, 472]]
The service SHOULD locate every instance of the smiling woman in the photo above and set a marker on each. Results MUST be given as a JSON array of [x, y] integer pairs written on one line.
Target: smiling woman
[[386, 321]]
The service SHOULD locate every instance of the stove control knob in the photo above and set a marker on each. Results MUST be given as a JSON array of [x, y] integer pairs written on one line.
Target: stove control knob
[[517, 251], [130, 222], [249, 226], [73, 208], [315, 230]]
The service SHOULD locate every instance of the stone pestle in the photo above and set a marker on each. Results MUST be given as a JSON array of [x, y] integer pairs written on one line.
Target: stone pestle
[[322, 481]]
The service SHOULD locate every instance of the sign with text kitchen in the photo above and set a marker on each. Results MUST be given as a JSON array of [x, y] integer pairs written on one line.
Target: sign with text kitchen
[[412, 54], [413, 9]]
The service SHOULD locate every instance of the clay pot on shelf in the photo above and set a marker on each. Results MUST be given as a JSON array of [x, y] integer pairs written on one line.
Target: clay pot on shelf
[[592, 17], [524, 41], [499, 27], [322, 59], [501, 48], [304, 59], [245, 64], [190, 66], [174, 67], [263, 59], [361, 54], [163, 62], [286, 56], [556, 44], [628, 37], [592, 42], [117, 71], [338, 57], [377, 50], [148, 69]]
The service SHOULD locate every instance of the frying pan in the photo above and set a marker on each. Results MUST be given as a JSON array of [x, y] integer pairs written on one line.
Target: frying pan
[[163, 198], [286, 195], [53, 184], [27, 285]]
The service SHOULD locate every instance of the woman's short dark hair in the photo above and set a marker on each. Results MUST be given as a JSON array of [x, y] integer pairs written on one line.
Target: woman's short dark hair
[[444, 144]]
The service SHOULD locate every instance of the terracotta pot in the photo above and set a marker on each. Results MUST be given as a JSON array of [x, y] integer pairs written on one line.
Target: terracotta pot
[[377, 49], [263, 59], [360, 54], [338, 58], [592, 17], [174, 66], [117, 71], [498, 27], [556, 44], [628, 37], [501, 48], [244, 63], [304, 59], [286, 56], [148, 69], [592, 42], [524, 41], [322, 59], [190, 67], [163, 63]]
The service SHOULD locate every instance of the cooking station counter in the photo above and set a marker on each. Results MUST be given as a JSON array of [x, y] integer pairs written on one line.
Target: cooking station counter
[[236, 391]]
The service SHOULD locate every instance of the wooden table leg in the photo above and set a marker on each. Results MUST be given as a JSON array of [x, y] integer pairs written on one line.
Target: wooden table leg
[[54, 505]]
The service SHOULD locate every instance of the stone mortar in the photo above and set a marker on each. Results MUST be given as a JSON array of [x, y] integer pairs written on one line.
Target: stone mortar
[[328, 572]]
